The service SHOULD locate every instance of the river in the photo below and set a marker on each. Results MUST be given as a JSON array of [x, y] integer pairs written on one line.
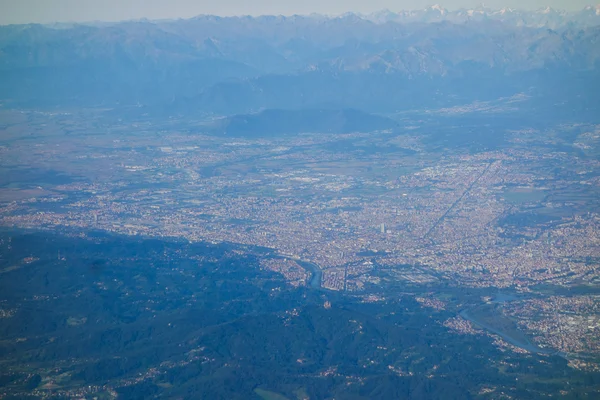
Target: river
[[316, 274], [517, 338]]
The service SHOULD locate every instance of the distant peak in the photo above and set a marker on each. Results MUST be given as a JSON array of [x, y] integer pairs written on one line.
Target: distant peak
[[592, 9], [506, 10], [438, 8], [383, 13], [351, 16], [547, 10]]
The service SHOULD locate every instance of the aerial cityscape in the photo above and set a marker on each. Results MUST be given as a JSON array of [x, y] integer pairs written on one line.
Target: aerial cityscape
[[471, 214]]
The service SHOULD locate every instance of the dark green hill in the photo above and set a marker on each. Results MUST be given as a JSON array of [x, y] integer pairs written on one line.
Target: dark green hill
[[151, 318], [269, 123]]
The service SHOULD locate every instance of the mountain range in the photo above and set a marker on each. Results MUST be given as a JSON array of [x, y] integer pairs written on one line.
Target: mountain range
[[384, 62], [543, 17]]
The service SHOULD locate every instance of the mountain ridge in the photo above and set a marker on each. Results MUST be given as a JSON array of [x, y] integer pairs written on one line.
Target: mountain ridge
[[540, 17], [232, 65]]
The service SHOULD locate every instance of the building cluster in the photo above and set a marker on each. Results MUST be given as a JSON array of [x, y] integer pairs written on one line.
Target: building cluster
[[570, 324], [453, 219], [293, 273]]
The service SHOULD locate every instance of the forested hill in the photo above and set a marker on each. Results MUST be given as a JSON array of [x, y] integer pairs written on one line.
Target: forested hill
[[280, 122]]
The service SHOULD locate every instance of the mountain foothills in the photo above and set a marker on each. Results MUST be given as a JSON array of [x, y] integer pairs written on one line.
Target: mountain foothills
[[382, 62]]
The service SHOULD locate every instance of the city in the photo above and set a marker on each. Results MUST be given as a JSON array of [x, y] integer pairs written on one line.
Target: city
[[384, 209]]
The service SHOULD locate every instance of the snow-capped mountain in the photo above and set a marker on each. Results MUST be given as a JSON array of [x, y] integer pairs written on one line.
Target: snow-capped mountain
[[239, 64], [543, 17], [588, 16]]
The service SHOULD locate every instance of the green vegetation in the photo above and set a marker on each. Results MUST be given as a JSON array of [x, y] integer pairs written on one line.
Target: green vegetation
[[489, 317], [173, 319], [524, 195], [267, 395]]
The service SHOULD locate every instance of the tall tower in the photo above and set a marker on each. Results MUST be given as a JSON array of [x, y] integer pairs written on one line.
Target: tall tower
[[382, 228]]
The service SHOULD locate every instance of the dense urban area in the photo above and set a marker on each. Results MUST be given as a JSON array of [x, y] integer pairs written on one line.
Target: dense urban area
[[366, 209]]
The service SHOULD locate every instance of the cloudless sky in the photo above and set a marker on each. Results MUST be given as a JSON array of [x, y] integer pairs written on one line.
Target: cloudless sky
[[24, 11]]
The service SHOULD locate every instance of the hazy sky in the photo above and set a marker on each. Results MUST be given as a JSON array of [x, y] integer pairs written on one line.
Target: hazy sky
[[23, 11]]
